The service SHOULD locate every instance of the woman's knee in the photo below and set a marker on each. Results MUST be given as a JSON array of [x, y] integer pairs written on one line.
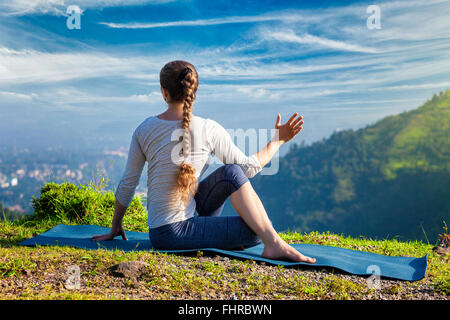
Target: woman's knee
[[235, 174]]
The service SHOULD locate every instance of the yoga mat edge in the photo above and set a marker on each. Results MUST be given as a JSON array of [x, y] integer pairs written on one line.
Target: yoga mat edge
[[351, 261]]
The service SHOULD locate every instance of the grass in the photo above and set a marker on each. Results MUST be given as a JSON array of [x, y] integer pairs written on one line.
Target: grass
[[40, 272]]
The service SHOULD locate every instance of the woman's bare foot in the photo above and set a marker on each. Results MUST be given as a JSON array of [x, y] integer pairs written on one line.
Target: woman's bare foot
[[282, 250]]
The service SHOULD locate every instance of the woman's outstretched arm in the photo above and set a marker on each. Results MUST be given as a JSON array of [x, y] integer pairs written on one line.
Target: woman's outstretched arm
[[223, 147]]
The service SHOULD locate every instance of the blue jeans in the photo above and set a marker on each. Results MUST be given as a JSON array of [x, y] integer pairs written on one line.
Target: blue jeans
[[208, 229]]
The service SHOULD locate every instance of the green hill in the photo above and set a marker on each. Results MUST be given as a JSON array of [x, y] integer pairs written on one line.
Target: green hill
[[386, 180]]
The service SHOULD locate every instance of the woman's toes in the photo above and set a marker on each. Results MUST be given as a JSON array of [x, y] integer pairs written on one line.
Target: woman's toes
[[286, 251], [310, 260], [302, 258]]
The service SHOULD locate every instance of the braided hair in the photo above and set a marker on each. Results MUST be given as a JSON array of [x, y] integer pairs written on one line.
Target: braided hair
[[181, 80]]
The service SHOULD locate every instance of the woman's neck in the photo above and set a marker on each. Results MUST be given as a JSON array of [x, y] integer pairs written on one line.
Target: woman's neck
[[173, 112]]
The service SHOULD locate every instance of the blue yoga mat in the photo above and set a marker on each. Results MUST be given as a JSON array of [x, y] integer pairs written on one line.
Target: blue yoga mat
[[351, 261]]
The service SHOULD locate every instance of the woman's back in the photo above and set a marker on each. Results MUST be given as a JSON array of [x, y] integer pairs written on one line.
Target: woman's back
[[157, 141]]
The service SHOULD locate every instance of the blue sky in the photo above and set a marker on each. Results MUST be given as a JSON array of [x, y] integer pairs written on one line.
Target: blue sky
[[254, 58]]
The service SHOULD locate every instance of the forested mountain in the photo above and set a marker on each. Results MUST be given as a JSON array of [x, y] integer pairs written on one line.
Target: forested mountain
[[386, 180]]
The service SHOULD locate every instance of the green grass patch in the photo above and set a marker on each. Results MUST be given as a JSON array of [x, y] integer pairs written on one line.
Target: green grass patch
[[40, 272]]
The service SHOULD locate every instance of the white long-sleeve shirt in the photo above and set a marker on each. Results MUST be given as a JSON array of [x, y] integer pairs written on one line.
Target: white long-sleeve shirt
[[157, 141]]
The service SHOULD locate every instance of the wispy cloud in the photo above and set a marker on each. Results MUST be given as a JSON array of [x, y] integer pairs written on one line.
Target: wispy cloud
[[32, 66], [258, 92], [7, 95], [317, 59], [431, 85], [26, 7], [210, 22], [291, 36], [59, 7]]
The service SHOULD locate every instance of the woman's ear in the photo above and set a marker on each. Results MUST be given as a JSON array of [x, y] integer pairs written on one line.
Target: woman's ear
[[165, 94]]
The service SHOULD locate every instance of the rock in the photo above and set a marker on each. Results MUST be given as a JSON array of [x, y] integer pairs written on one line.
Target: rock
[[442, 250], [27, 272], [129, 269]]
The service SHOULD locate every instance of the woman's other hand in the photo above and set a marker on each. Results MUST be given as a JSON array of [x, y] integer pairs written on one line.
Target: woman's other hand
[[115, 231], [290, 129]]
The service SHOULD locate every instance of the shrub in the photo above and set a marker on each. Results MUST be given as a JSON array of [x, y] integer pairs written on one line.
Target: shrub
[[71, 204]]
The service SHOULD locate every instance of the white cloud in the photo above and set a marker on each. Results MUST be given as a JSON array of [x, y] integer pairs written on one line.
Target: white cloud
[[257, 93], [263, 71], [431, 85], [78, 96], [8, 96], [290, 36], [80, 101], [153, 96], [324, 16], [31, 66], [255, 68], [25, 7], [58, 7], [209, 22]]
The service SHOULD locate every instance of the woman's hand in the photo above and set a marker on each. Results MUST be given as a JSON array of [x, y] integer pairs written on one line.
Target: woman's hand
[[290, 129], [117, 228], [284, 133], [115, 231]]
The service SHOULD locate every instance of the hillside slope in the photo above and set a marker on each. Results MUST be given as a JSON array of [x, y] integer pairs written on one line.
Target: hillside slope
[[386, 180]]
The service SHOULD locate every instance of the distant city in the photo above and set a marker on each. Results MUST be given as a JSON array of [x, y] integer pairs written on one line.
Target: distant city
[[23, 172]]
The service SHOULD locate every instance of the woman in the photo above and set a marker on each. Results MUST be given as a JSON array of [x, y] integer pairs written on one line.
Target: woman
[[182, 212]]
